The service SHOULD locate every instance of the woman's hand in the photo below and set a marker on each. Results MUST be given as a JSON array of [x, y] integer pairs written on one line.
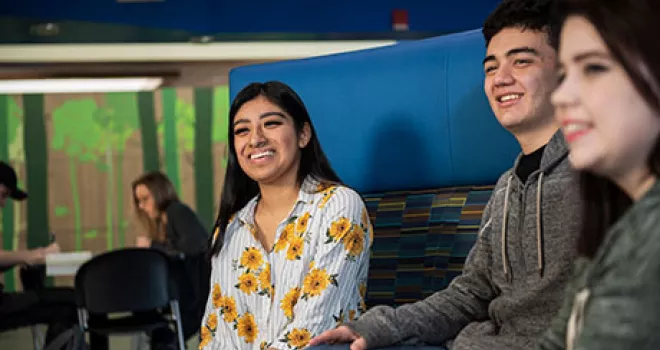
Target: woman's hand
[[341, 334]]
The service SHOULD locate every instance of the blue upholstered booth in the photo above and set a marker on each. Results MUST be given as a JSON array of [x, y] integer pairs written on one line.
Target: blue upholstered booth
[[409, 116], [410, 128]]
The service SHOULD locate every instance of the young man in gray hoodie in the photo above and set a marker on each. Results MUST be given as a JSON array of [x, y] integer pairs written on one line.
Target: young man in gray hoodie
[[515, 275]]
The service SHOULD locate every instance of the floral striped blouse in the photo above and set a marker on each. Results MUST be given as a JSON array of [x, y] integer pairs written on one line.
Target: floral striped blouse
[[313, 279]]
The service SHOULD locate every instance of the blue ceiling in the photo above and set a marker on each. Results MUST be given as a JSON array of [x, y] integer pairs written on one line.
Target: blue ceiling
[[340, 18]]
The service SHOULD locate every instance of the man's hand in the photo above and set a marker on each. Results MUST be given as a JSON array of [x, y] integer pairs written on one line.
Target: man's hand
[[35, 256], [38, 256], [341, 334], [52, 248]]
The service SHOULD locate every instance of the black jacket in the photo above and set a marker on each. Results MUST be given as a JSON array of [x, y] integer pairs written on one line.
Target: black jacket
[[186, 242]]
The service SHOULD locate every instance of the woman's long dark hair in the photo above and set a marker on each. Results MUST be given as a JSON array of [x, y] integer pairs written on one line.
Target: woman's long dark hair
[[629, 29], [238, 188], [164, 194]]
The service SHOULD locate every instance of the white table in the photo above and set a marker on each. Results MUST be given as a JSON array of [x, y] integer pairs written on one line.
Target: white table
[[65, 264]]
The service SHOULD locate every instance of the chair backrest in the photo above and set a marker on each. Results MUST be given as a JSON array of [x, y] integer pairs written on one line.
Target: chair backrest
[[132, 279]]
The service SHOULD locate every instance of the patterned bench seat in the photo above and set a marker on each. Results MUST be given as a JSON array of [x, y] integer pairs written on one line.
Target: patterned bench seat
[[421, 240]]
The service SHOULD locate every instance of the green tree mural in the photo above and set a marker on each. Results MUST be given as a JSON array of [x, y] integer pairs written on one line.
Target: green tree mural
[[122, 111], [203, 156], [36, 167], [11, 151], [167, 129], [98, 134], [183, 130], [150, 158], [220, 116], [185, 114], [104, 163], [17, 158], [177, 130], [78, 134]]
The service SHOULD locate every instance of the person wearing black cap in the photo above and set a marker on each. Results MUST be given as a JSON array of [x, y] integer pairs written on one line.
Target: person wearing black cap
[[53, 306], [9, 189], [9, 184]]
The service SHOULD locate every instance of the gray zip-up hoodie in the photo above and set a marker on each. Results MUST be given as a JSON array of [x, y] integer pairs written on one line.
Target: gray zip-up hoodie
[[613, 303], [514, 278]]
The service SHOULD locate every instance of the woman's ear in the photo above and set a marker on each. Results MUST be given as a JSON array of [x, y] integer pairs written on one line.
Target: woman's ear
[[305, 136]]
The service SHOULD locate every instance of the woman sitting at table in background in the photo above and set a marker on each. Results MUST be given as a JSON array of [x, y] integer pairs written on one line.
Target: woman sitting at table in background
[[174, 228], [291, 247]]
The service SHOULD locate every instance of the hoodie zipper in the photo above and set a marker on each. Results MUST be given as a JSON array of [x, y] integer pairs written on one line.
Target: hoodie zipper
[[521, 223], [538, 237]]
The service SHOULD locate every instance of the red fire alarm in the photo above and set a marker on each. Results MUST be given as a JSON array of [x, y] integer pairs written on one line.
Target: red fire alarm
[[400, 20]]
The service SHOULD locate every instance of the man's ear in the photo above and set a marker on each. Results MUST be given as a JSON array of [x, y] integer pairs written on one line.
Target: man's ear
[[305, 136]]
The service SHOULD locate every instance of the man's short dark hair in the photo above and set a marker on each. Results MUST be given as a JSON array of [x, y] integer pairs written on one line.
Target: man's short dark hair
[[537, 15]]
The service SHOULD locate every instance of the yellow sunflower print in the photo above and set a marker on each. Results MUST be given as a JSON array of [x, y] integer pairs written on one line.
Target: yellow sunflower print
[[296, 245], [316, 281], [212, 322], [301, 224], [247, 283], [247, 328], [282, 242], [289, 302], [322, 186], [298, 338], [366, 225], [251, 259], [354, 242], [365, 217], [206, 337], [351, 315], [264, 281], [228, 310], [338, 229], [363, 296], [328, 191], [216, 295]]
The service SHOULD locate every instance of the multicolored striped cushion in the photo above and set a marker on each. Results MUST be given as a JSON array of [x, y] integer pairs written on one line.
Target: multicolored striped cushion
[[421, 240]]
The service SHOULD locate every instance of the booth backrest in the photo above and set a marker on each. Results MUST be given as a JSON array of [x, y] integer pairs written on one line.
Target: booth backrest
[[410, 128], [408, 116]]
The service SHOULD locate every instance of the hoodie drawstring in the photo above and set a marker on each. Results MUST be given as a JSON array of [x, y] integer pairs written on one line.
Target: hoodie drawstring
[[539, 231], [505, 215], [575, 320]]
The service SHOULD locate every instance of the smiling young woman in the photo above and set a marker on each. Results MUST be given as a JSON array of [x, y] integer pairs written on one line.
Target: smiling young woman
[[290, 251], [608, 103]]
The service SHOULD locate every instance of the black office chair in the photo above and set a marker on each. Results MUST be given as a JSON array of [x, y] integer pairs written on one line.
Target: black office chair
[[134, 280]]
